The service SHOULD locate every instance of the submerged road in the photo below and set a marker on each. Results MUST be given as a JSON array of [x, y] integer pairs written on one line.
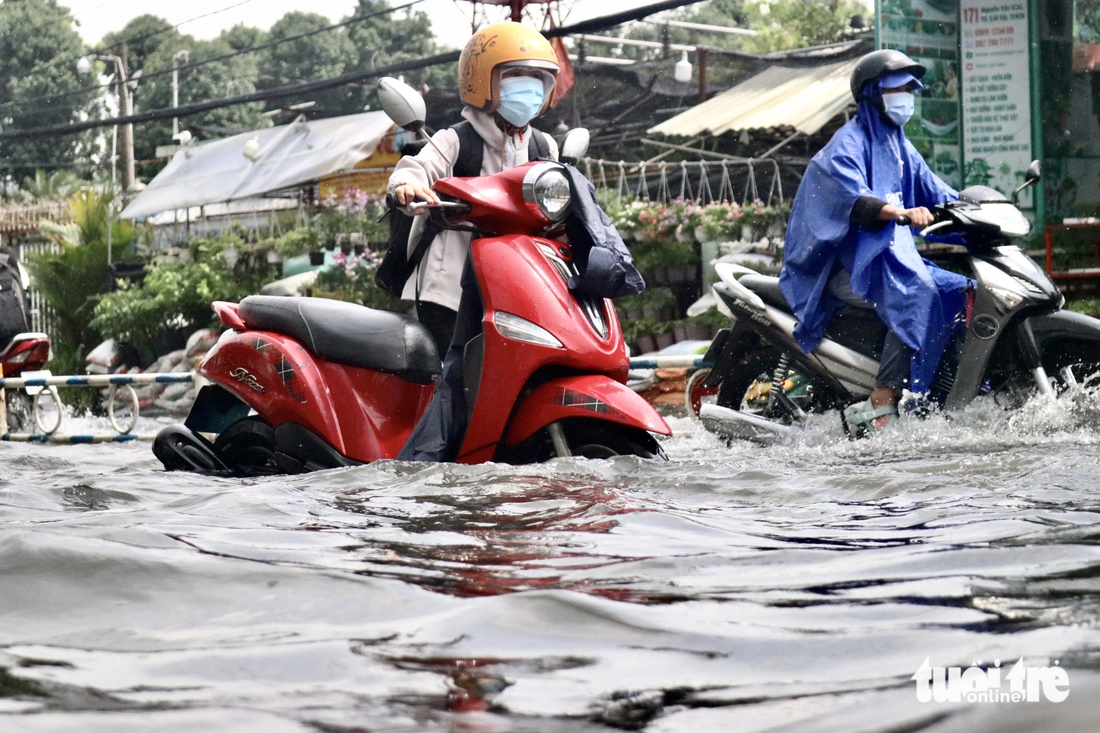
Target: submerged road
[[795, 587]]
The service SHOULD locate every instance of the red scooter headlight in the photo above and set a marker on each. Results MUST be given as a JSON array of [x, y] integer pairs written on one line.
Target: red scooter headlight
[[546, 188]]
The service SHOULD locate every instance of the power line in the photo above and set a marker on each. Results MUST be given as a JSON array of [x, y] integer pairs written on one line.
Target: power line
[[203, 62], [588, 26], [210, 104], [132, 39]]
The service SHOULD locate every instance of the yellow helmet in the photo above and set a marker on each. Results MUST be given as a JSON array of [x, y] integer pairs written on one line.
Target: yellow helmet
[[498, 47]]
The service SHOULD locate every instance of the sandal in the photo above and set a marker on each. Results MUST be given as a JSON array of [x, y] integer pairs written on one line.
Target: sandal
[[859, 419]]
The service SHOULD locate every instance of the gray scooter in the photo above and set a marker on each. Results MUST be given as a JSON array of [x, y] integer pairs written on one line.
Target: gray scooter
[[1013, 338]]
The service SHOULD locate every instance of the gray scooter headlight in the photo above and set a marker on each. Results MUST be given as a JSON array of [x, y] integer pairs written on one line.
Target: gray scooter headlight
[[546, 187]]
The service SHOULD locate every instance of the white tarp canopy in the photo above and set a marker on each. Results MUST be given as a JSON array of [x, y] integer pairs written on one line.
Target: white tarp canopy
[[803, 99], [285, 157]]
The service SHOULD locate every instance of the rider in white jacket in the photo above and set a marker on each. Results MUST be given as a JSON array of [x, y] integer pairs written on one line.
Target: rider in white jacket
[[437, 276], [507, 74]]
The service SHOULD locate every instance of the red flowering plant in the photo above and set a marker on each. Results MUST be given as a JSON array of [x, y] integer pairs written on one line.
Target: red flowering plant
[[355, 213]]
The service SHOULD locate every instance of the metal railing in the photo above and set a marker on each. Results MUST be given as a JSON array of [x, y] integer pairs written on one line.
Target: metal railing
[[40, 385]]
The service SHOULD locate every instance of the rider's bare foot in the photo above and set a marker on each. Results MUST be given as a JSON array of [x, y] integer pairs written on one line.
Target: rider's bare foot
[[881, 397]]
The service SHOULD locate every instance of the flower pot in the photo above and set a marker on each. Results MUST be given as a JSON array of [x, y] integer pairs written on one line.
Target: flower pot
[[680, 331], [701, 235], [316, 258], [652, 314], [684, 234], [747, 233], [359, 248], [698, 331], [646, 344], [664, 340]]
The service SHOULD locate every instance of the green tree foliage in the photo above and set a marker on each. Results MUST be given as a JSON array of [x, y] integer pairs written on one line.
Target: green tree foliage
[[786, 24], [781, 25], [143, 36], [242, 36], [228, 77], [392, 38], [49, 185], [39, 48], [73, 278], [176, 296], [313, 57]]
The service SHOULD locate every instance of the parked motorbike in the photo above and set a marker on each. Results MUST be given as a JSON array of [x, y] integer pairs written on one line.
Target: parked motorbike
[[300, 384], [26, 352], [22, 353], [1013, 338]]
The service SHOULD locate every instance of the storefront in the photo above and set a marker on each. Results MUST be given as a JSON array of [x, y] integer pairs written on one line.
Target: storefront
[[1007, 82]]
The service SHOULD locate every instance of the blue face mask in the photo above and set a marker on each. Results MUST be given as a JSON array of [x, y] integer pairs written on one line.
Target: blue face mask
[[521, 98], [899, 106]]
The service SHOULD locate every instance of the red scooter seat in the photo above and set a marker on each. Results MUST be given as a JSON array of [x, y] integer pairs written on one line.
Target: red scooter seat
[[348, 334]]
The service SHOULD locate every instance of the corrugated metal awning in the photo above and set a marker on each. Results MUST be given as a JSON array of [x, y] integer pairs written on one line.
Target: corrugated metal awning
[[777, 97]]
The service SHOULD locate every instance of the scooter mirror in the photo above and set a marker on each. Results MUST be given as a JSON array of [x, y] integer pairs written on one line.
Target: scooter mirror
[[575, 145], [1034, 171], [402, 103]]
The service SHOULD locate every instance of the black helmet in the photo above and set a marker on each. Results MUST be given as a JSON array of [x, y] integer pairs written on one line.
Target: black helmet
[[877, 63]]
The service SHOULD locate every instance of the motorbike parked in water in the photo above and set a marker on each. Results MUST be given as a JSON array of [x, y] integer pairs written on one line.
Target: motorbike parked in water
[[301, 384], [23, 353], [1015, 339]]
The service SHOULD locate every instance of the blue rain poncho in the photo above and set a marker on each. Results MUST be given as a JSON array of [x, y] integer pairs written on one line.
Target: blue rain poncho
[[917, 300]]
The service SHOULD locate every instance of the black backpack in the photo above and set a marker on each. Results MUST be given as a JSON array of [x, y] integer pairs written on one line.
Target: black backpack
[[396, 268], [14, 313]]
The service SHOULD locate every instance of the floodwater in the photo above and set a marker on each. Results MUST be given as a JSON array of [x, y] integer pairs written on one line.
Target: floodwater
[[796, 587]]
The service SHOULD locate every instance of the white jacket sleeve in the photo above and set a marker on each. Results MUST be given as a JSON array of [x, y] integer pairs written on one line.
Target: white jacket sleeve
[[427, 166]]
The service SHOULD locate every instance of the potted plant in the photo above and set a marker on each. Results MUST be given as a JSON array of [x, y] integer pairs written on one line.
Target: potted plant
[[680, 331], [664, 336]]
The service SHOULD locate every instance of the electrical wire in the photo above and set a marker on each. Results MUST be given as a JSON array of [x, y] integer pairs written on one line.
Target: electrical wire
[[132, 39], [201, 62], [587, 26], [210, 104]]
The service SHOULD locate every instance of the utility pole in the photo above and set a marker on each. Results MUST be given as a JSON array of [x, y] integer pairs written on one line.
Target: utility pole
[[125, 110], [185, 55]]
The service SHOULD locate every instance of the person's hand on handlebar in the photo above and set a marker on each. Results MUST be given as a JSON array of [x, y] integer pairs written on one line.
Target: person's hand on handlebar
[[918, 217], [407, 193]]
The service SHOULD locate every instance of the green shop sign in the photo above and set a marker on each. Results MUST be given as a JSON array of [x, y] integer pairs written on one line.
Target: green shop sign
[[973, 122]]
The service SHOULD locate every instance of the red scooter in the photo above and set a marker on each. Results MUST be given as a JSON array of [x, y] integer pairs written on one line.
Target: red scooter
[[26, 352], [24, 355], [302, 384]]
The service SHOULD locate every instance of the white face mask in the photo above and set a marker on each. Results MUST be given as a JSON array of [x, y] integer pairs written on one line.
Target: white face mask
[[899, 107]]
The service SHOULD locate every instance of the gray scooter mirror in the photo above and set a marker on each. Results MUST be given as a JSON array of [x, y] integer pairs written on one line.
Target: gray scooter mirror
[[1034, 172], [402, 103], [575, 145], [1034, 175]]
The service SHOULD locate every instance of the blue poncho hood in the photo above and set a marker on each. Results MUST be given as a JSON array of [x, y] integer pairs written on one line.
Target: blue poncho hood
[[917, 300]]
